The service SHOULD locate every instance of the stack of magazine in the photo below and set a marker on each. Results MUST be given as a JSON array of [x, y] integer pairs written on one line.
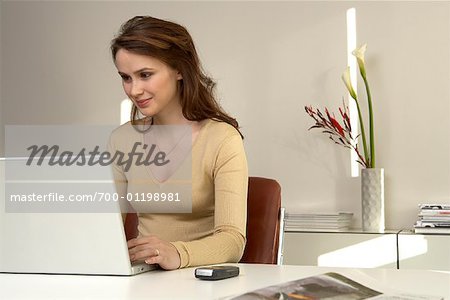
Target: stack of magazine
[[340, 221], [433, 218], [326, 286]]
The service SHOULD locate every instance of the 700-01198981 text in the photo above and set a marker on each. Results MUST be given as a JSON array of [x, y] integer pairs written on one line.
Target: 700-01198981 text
[[97, 196]]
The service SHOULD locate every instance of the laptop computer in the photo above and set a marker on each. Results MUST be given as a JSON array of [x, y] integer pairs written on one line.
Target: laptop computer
[[63, 243]]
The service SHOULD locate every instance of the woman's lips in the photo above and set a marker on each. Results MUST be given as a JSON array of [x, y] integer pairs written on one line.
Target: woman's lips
[[143, 103]]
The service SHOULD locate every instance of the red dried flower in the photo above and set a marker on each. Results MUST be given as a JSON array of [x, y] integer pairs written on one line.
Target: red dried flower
[[340, 134]]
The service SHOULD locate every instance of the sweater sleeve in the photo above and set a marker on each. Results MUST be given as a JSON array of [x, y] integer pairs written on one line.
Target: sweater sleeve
[[226, 244]]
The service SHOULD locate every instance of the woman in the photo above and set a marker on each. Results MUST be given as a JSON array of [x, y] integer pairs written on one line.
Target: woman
[[161, 74]]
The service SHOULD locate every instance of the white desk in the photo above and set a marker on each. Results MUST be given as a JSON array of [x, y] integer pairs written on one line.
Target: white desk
[[181, 284]]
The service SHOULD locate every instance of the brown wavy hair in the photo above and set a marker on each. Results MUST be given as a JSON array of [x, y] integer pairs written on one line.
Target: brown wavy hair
[[172, 44]]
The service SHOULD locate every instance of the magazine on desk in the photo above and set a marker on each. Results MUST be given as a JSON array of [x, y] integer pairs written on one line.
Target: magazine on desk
[[325, 286]]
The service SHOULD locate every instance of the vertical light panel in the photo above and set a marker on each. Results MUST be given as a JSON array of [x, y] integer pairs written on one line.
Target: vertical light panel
[[351, 62], [125, 111]]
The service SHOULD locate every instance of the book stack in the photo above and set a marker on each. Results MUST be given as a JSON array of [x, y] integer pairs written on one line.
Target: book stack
[[433, 218], [318, 222]]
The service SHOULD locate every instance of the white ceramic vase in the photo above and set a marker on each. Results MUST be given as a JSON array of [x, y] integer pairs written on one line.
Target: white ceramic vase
[[372, 197]]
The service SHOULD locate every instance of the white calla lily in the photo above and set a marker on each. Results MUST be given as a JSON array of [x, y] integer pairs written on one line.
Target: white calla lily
[[359, 54], [348, 82]]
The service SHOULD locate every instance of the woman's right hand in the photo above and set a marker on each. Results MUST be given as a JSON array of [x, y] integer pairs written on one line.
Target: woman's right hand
[[153, 250]]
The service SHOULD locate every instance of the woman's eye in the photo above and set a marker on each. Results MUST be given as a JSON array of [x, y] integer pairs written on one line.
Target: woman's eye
[[125, 78], [145, 75]]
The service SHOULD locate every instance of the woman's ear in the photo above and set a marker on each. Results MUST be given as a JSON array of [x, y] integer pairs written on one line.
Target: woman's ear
[[179, 76]]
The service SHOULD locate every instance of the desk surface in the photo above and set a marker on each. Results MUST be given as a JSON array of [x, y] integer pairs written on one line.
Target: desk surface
[[181, 284]]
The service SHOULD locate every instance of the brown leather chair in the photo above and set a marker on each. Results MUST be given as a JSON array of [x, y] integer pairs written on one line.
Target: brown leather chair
[[263, 221], [131, 226]]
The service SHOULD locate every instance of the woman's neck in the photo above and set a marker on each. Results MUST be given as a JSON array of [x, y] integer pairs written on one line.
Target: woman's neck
[[179, 119], [171, 115], [171, 120]]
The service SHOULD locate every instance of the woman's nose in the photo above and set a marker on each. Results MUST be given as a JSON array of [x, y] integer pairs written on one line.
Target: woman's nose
[[136, 89]]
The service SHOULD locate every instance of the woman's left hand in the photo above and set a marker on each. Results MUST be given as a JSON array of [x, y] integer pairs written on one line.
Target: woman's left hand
[[153, 250]]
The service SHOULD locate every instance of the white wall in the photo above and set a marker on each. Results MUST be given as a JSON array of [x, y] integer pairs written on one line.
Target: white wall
[[270, 59], [2, 133]]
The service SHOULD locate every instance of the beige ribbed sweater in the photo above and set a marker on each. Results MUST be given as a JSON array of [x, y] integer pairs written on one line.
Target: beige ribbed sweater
[[215, 230]]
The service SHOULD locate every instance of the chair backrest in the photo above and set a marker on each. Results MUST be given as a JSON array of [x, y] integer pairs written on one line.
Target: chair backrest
[[131, 226], [263, 221]]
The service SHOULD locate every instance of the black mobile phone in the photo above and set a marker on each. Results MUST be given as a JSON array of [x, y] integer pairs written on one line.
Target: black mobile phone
[[216, 272]]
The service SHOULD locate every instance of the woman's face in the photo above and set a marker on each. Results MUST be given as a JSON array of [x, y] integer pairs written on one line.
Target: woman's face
[[149, 83]]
